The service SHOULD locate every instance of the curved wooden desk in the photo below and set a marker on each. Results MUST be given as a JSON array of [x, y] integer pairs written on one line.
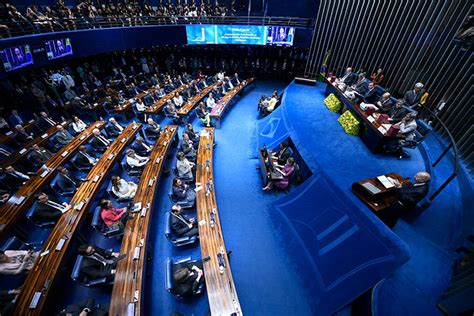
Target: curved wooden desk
[[127, 293], [41, 278], [192, 102], [160, 104], [221, 292], [18, 203]]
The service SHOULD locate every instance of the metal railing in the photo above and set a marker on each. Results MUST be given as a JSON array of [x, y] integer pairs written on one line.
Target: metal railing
[[15, 29], [452, 145]]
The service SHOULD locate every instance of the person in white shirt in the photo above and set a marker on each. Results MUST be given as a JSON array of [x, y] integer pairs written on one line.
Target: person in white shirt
[[408, 126], [140, 105], [17, 261], [78, 125], [123, 189], [220, 75], [133, 160], [178, 100], [184, 166], [210, 102]]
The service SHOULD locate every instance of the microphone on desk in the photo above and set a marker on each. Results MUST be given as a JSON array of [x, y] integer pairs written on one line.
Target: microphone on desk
[[206, 259]]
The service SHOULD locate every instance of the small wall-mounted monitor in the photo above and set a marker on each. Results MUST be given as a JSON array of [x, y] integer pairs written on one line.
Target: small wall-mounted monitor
[[16, 57], [58, 48], [280, 35]]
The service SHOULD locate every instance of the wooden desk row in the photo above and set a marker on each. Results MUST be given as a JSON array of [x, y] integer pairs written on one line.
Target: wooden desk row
[[223, 104], [127, 105], [221, 291], [43, 275], [127, 293], [18, 203], [160, 104], [39, 140], [6, 137], [369, 130], [192, 102]]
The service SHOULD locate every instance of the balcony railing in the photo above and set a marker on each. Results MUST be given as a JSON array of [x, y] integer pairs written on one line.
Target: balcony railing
[[15, 29]]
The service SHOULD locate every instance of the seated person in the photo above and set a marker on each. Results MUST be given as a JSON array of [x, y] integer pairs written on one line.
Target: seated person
[[210, 102], [203, 114], [14, 179], [193, 136], [216, 93], [270, 105], [187, 147], [378, 76], [139, 105], [48, 209], [187, 278], [398, 113], [385, 105], [184, 166], [123, 189], [39, 155], [78, 125], [236, 79], [349, 77], [99, 141], [228, 84], [153, 129], [99, 263], [63, 137], [111, 216], [84, 308], [84, 159], [370, 97], [412, 97], [22, 136], [182, 192], [286, 172], [360, 86], [141, 147], [134, 160], [282, 154], [17, 261], [45, 121], [407, 197], [67, 182], [171, 110], [178, 100], [113, 128], [181, 224], [160, 92], [7, 301], [407, 128]]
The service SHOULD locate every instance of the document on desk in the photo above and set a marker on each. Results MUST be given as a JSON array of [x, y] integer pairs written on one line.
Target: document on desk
[[371, 119], [382, 130], [386, 182]]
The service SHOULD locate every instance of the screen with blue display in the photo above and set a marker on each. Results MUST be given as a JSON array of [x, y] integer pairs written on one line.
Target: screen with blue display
[[16, 57], [58, 48], [240, 34]]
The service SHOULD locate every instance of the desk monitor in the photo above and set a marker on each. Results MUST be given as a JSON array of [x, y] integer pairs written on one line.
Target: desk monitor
[[16, 57], [58, 48]]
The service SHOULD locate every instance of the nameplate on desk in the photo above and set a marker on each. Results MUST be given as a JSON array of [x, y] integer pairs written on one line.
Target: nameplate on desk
[[60, 244], [44, 173], [143, 213], [44, 253], [63, 123], [96, 178], [21, 152], [165, 143], [97, 125], [123, 140], [44, 135], [110, 157], [136, 253], [371, 119], [79, 206], [134, 126], [9, 133], [381, 129], [82, 137], [31, 121], [158, 160], [64, 153], [35, 300], [130, 309], [19, 200], [150, 183], [136, 207], [136, 296]]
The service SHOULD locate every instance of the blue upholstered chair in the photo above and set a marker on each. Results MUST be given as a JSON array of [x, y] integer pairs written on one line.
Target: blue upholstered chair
[[98, 224], [183, 204], [55, 187], [169, 282], [184, 179], [31, 216], [79, 277], [175, 240]]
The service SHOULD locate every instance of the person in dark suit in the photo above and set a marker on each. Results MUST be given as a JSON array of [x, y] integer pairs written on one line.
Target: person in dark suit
[[14, 179], [370, 97], [22, 136], [45, 121], [84, 159], [153, 129], [87, 307], [187, 147], [99, 262], [406, 198], [360, 86], [385, 105], [412, 97], [192, 135], [39, 155], [182, 192], [283, 153], [187, 278], [113, 128], [67, 182], [48, 209], [349, 77], [141, 147], [399, 112], [133, 90], [99, 141], [181, 224], [63, 137]]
